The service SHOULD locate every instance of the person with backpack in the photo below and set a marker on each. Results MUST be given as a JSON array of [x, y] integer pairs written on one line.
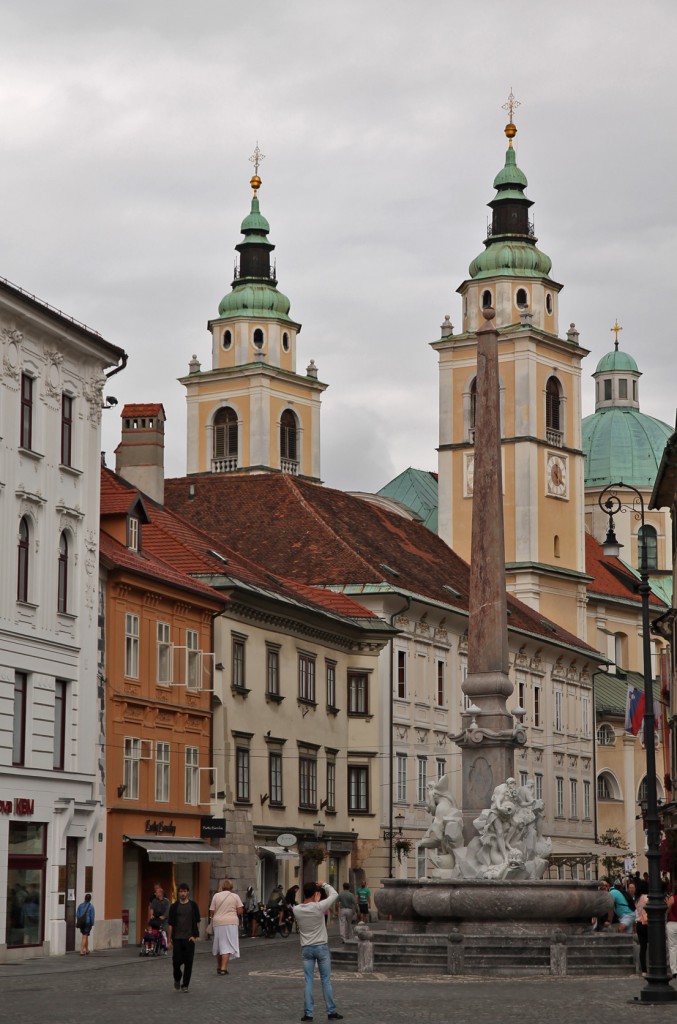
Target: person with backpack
[[623, 908], [84, 920]]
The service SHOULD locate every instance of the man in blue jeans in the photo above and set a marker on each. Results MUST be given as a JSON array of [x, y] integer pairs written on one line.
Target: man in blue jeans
[[314, 945]]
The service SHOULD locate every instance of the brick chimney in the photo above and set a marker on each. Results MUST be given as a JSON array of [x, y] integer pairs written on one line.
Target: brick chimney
[[140, 456]]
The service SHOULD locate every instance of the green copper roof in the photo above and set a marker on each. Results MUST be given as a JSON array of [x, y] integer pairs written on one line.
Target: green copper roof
[[616, 360], [510, 248], [510, 174], [251, 299], [622, 443], [417, 490], [510, 259], [255, 221]]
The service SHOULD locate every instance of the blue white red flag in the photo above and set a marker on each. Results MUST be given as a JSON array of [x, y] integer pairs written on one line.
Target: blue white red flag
[[634, 710]]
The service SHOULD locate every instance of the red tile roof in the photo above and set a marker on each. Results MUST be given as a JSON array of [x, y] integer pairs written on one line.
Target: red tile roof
[[147, 409], [323, 537], [610, 577], [116, 556], [169, 541]]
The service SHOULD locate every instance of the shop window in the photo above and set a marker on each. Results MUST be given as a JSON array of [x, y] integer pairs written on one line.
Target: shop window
[[26, 865]]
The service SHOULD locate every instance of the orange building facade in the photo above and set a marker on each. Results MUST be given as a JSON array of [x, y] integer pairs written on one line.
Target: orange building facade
[[157, 637]]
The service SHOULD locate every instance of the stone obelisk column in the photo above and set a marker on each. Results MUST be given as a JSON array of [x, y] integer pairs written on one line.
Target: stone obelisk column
[[488, 739]]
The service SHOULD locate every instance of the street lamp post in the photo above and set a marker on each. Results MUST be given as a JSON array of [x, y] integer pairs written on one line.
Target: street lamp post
[[657, 988]]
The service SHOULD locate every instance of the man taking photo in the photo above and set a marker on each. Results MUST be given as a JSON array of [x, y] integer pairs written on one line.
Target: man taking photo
[[314, 945]]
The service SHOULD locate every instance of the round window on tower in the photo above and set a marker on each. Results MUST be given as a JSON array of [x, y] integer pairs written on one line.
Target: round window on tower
[[521, 298], [486, 299], [258, 337], [548, 304], [285, 341], [227, 339]]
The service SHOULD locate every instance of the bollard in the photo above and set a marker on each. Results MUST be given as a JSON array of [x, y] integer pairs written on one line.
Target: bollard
[[365, 949], [455, 953]]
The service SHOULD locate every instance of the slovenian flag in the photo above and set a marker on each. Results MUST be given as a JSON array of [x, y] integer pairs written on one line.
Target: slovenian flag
[[634, 710]]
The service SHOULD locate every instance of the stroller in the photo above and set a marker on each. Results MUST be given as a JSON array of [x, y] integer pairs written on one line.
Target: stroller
[[154, 941]]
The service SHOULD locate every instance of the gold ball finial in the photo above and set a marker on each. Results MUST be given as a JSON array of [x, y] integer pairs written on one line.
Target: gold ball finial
[[255, 183], [510, 131]]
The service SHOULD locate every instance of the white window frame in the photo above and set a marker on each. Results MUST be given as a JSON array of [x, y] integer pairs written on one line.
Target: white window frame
[[559, 797], [132, 760], [242, 775], [192, 776], [522, 691], [275, 777], [133, 533], [421, 779], [573, 798], [165, 657], [331, 684], [537, 705], [401, 778], [307, 671], [162, 771], [441, 684], [441, 763], [585, 715], [538, 789], [586, 800], [558, 724], [331, 785], [131, 645], [193, 660]]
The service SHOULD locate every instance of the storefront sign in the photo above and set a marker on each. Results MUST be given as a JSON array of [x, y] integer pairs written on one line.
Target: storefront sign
[[20, 805], [212, 828], [159, 827]]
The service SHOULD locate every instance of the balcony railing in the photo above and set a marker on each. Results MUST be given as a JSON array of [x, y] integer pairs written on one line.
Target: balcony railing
[[228, 465], [554, 437], [289, 466]]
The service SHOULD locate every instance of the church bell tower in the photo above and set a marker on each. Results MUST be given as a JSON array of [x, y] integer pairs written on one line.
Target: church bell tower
[[540, 409], [252, 412]]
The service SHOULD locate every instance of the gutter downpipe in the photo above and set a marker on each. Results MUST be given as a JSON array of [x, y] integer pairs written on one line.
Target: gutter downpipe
[[391, 726]]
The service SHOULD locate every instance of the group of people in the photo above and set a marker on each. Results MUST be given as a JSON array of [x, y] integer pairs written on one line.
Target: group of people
[[628, 913], [180, 922]]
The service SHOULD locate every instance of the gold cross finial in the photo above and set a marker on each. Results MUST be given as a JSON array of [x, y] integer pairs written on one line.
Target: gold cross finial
[[256, 159], [511, 106], [616, 329]]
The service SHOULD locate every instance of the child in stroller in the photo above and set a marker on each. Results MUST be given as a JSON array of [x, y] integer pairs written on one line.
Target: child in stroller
[[154, 939]]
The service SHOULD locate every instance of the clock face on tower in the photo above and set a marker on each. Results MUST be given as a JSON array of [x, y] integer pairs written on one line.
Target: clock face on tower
[[556, 477]]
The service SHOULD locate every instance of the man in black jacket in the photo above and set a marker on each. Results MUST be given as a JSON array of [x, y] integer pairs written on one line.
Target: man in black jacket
[[183, 931]]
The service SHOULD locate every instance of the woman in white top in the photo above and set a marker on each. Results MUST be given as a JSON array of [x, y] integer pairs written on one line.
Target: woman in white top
[[224, 914]]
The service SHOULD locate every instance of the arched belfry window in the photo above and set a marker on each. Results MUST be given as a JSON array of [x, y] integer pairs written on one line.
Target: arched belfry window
[[486, 299], [289, 442], [22, 560], [553, 412], [62, 592], [224, 458], [258, 337], [648, 538], [522, 298]]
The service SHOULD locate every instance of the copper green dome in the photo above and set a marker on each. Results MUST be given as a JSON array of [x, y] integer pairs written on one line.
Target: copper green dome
[[623, 444], [510, 246], [254, 288], [615, 361], [252, 299]]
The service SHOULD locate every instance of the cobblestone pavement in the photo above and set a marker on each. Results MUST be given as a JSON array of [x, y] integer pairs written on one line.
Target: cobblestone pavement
[[266, 984]]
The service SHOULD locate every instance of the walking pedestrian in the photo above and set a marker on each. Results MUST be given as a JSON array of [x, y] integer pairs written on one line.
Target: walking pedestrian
[[225, 912], [671, 928], [314, 945], [363, 893], [346, 904], [642, 928], [84, 919], [158, 912], [183, 929], [251, 912]]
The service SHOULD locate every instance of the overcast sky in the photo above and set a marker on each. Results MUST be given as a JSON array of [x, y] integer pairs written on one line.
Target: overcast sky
[[125, 133]]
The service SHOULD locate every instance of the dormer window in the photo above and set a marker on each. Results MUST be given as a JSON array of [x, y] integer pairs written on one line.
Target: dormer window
[[133, 533]]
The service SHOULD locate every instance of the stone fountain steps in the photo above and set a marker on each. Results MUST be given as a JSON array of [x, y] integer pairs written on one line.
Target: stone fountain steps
[[506, 955]]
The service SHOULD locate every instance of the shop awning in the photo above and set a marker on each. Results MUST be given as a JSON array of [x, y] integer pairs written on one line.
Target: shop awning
[[176, 851], [582, 850], [280, 852]]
